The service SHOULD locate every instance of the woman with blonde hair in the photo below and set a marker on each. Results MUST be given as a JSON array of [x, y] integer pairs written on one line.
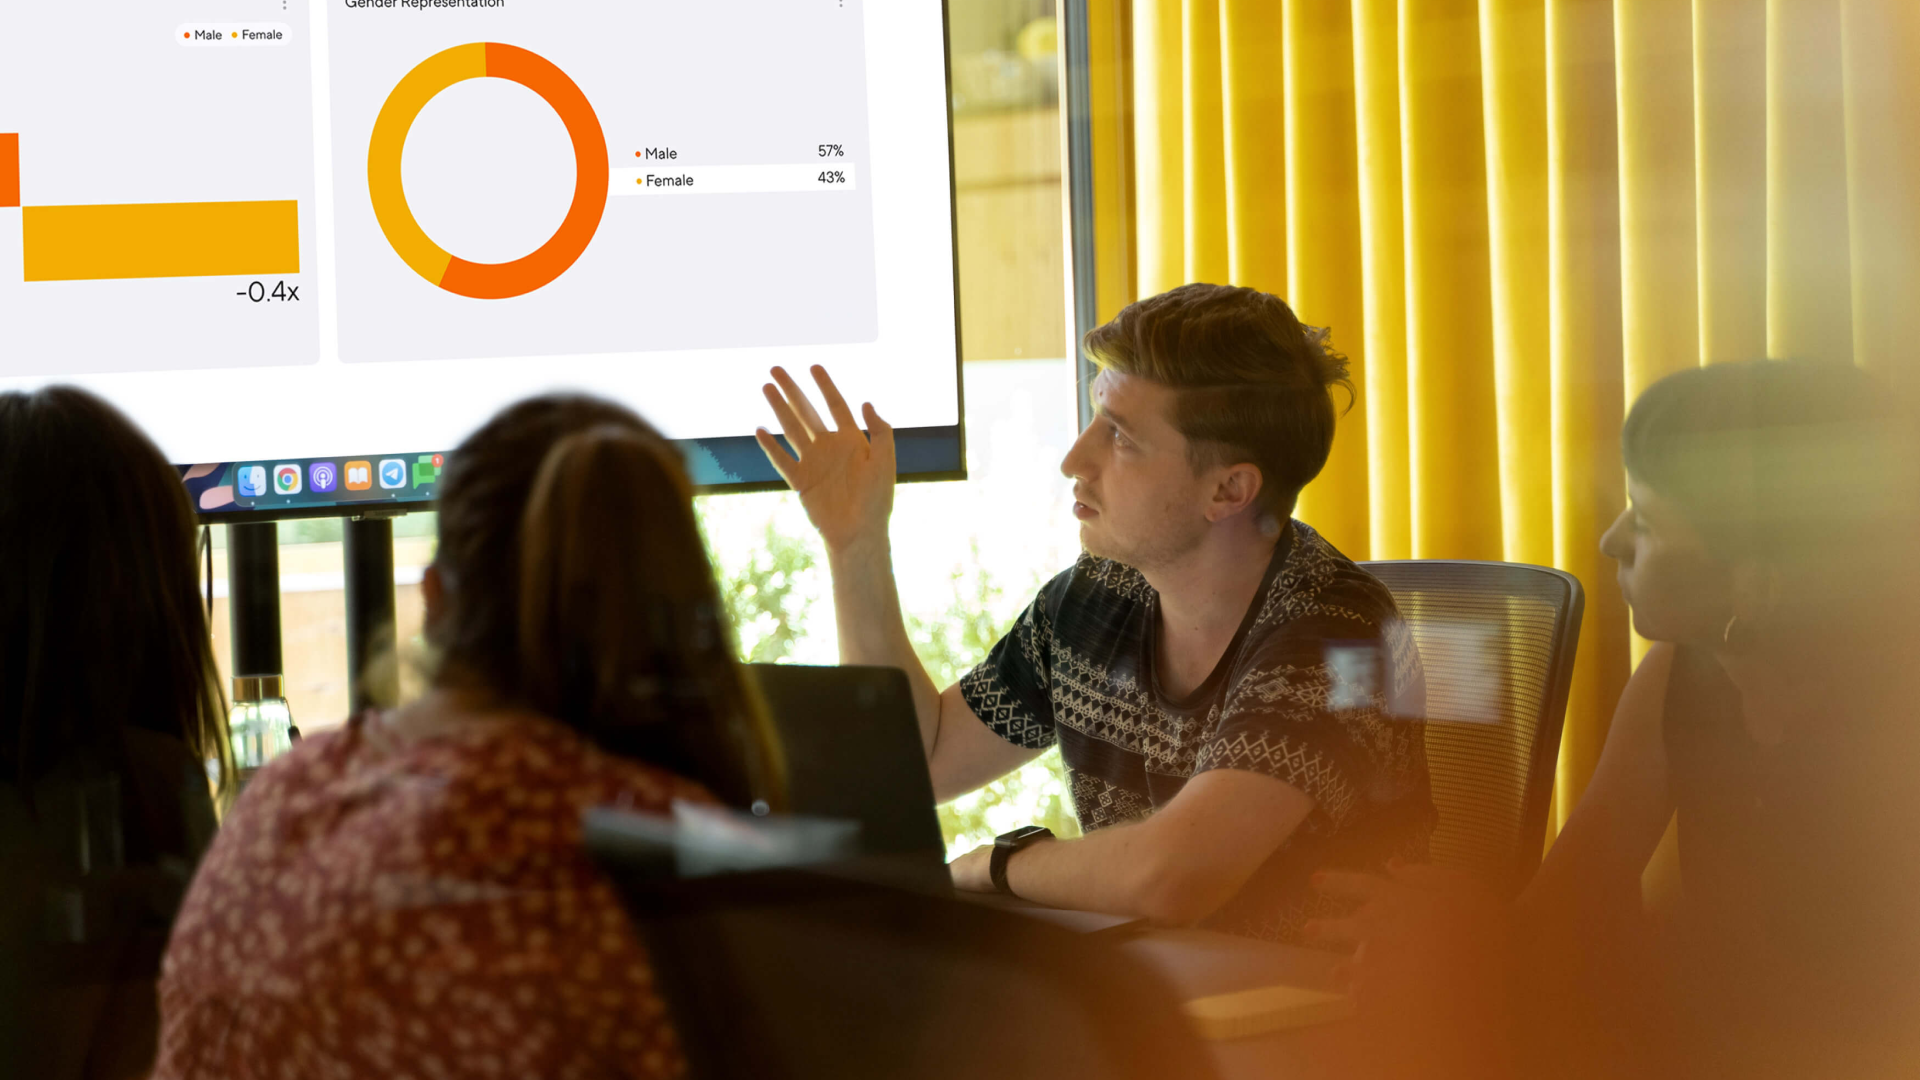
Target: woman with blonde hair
[[410, 891]]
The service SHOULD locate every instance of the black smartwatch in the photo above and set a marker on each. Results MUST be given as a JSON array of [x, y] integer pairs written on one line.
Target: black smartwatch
[[1005, 845]]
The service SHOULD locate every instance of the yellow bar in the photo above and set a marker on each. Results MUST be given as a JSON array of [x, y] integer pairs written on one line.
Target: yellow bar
[[148, 240]]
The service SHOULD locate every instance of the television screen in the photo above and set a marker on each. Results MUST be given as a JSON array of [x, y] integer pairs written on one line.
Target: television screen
[[309, 244]]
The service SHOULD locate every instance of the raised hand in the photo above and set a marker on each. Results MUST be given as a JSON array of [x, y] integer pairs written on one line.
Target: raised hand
[[843, 477]]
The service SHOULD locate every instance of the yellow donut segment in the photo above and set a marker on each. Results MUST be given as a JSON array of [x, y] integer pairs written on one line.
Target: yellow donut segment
[[433, 75]]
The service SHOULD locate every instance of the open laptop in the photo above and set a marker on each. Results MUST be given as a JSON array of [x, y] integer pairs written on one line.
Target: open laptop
[[854, 752]]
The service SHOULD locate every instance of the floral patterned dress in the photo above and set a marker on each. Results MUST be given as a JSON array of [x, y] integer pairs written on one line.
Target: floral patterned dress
[[397, 908]]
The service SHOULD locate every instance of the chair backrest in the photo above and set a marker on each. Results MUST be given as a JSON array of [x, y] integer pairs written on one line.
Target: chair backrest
[[1497, 641], [853, 751], [819, 972]]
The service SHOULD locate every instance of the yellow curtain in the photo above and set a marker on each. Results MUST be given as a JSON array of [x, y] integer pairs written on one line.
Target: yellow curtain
[[1515, 215]]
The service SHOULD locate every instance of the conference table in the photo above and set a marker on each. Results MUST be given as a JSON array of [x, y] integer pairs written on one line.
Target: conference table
[[1197, 964], [1204, 963]]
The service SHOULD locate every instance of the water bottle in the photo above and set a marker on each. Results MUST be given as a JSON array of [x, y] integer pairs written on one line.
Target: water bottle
[[261, 724]]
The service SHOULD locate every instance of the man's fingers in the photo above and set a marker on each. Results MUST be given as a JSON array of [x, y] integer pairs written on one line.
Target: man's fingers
[[1349, 885], [783, 462], [836, 404], [881, 434], [790, 425], [802, 407]]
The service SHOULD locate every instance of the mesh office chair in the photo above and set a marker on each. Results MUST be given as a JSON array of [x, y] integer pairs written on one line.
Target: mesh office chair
[[1497, 641]]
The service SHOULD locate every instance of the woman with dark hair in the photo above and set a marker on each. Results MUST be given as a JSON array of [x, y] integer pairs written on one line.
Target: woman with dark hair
[[410, 892], [1767, 552], [110, 715]]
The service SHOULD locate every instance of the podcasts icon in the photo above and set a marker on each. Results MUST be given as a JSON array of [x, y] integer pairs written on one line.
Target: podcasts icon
[[322, 476]]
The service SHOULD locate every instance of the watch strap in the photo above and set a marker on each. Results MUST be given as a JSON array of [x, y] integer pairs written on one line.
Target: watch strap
[[997, 868], [1004, 846]]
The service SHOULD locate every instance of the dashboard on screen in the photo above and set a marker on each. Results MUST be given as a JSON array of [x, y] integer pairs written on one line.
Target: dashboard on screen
[[309, 245]]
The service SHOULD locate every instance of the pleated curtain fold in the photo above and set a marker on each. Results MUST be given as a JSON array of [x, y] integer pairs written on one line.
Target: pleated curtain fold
[[1514, 215]]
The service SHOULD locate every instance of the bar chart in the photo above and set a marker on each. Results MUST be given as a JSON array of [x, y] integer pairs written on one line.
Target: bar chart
[[156, 191]]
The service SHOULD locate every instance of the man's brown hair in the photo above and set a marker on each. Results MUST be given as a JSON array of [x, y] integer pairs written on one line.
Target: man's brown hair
[[1253, 384]]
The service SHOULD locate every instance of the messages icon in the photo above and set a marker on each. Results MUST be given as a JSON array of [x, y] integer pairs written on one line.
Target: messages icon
[[427, 469], [393, 473]]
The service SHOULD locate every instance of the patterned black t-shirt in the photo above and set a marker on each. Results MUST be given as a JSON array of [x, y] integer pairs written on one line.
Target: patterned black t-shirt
[[1321, 689]]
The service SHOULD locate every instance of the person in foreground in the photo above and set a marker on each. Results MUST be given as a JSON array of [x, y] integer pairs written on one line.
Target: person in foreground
[[110, 713], [1767, 553], [1236, 703], [408, 895]]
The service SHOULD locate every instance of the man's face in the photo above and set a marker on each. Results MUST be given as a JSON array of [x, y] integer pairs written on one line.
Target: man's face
[[1136, 492], [1678, 592]]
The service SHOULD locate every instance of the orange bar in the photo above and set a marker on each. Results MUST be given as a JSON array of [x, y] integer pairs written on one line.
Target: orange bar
[[9, 170], [149, 240]]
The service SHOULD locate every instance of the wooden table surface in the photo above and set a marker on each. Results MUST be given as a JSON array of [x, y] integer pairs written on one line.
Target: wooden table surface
[[1203, 963]]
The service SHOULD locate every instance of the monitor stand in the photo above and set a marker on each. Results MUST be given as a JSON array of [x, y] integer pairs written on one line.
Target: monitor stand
[[373, 669]]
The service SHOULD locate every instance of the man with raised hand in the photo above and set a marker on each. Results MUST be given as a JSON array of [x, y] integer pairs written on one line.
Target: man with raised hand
[[1235, 701]]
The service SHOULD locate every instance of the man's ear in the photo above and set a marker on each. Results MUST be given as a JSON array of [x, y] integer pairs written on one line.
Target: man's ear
[[1235, 489]]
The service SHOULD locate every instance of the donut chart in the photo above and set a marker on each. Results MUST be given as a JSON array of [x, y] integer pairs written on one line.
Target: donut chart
[[704, 152], [487, 281]]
